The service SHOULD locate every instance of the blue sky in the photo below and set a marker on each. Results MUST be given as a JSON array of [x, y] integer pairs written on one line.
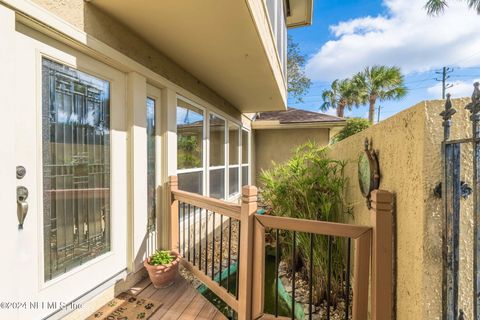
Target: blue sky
[[348, 35]]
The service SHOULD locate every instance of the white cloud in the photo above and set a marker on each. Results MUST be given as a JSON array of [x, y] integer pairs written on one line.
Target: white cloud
[[460, 89], [405, 36], [330, 111]]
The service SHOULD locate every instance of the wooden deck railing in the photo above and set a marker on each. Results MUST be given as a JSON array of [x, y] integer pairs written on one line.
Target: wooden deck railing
[[202, 229], [197, 235], [362, 243]]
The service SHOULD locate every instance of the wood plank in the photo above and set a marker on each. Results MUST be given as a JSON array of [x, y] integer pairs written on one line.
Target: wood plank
[[179, 306], [219, 316], [310, 226], [381, 217], [148, 291], [168, 297], [222, 207], [361, 276], [208, 312], [140, 286], [194, 308], [245, 269], [258, 261]]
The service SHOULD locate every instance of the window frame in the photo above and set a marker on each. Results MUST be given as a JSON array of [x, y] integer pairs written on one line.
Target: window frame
[[249, 153], [204, 168], [206, 112], [232, 196], [225, 155]]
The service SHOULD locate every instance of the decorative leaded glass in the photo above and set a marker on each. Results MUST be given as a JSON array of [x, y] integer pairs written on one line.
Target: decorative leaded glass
[[76, 167]]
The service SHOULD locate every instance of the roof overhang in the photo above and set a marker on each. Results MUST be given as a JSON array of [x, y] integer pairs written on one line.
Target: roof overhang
[[227, 45], [299, 13], [275, 124]]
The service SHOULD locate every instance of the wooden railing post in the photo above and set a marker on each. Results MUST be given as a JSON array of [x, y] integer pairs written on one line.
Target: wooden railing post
[[249, 208], [173, 213], [360, 276], [382, 255], [258, 271]]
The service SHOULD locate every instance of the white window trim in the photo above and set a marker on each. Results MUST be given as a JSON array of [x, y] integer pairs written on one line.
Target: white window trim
[[249, 153], [206, 112], [233, 196], [225, 155]]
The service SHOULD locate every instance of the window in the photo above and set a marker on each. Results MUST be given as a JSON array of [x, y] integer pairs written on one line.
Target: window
[[245, 157], [217, 157], [212, 152], [151, 185], [234, 159], [76, 166], [190, 139]]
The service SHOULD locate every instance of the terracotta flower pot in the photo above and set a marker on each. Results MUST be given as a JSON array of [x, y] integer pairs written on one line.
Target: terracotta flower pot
[[164, 275]]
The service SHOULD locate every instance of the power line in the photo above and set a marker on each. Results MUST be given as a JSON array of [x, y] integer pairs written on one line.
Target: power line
[[445, 73], [465, 59]]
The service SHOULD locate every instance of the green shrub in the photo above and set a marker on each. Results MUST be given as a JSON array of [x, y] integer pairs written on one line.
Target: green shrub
[[354, 125], [161, 257], [309, 186]]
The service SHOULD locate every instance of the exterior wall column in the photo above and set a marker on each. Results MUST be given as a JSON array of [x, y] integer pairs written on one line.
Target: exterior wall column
[[137, 157], [168, 127]]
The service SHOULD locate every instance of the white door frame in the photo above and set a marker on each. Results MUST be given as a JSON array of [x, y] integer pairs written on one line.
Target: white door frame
[[28, 243]]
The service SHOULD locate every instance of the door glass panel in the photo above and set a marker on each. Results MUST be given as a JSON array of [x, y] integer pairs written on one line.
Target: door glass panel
[[76, 167], [151, 164]]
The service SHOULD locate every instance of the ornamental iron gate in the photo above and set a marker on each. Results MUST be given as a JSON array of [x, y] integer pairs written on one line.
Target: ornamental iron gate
[[453, 190]]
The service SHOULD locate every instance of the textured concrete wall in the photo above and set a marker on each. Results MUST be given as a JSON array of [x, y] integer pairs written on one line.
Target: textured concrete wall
[[409, 149], [101, 26], [276, 145]]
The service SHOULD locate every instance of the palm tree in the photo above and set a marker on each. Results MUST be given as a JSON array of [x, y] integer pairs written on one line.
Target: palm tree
[[379, 83], [435, 7], [341, 95]]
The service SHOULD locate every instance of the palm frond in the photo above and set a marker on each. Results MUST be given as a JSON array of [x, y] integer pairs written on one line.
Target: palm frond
[[475, 5], [436, 7]]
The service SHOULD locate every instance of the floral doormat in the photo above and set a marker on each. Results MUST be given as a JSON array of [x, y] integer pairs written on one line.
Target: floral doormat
[[126, 307]]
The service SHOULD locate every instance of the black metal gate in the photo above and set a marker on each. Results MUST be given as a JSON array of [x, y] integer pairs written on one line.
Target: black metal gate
[[453, 190]]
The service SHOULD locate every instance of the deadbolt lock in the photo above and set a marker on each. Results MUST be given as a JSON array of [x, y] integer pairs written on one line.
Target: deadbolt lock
[[21, 171]]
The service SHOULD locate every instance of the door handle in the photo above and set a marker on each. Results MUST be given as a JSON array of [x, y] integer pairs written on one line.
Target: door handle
[[22, 205]]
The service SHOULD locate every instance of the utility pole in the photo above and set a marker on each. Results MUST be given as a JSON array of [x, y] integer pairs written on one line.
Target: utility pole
[[378, 115], [445, 76]]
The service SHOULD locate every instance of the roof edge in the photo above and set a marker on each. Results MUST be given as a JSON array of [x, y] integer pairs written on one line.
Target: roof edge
[[275, 124]]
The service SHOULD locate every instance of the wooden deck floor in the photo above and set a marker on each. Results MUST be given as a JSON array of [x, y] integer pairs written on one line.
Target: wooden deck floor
[[179, 301]]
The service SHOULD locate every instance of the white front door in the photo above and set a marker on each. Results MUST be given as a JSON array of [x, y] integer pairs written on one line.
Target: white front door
[[70, 137]]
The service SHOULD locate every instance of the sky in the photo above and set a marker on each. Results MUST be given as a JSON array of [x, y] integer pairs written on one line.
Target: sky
[[348, 35]]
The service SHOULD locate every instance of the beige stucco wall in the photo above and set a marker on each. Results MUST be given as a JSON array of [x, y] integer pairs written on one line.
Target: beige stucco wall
[[276, 145], [409, 147], [101, 26]]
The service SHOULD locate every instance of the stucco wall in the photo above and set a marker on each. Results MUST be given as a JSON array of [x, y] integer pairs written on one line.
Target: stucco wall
[[409, 153], [276, 145], [101, 26]]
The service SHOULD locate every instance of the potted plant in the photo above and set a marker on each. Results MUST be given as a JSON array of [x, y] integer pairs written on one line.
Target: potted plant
[[162, 267]]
